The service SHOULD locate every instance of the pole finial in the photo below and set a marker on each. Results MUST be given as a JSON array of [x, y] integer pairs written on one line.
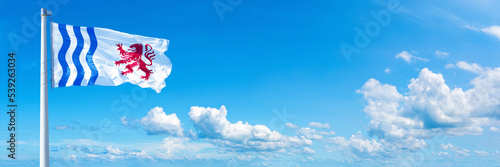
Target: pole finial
[[45, 12]]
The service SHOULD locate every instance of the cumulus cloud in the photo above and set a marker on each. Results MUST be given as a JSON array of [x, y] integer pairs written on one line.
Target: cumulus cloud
[[127, 122], [172, 145], [431, 107], [481, 153], [409, 57], [157, 122], [170, 148], [443, 154], [449, 65], [72, 158], [448, 146], [493, 30], [124, 120], [140, 154], [180, 147], [305, 151], [457, 150], [213, 125], [357, 145], [319, 125], [114, 154], [75, 148], [494, 129], [308, 150], [387, 70], [291, 126], [114, 151], [441, 54], [109, 153], [313, 134], [472, 67]]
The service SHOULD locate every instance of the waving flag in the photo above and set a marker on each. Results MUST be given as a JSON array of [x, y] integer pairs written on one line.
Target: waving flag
[[85, 56]]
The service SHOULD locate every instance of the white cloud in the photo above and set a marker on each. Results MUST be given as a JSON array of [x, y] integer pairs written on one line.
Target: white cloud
[[475, 68], [113, 154], [92, 155], [305, 150], [313, 134], [449, 65], [409, 57], [357, 145], [457, 150], [173, 148], [72, 158], [471, 27], [130, 124], [75, 148], [291, 126], [494, 129], [172, 145], [493, 30], [430, 107], [319, 125], [213, 125], [443, 154], [170, 148], [157, 122], [63, 127], [111, 157], [481, 153], [405, 56], [308, 150], [141, 155], [114, 151], [448, 146], [327, 133], [387, 70], [124, 120], [441, 54], [192, 134]]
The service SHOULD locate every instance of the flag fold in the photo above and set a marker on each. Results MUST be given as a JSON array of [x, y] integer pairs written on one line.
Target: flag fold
[[85, 56]]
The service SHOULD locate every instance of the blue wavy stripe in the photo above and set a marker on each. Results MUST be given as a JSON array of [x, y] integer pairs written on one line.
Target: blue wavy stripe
[[90, 55], [61, 56], [76, 56]]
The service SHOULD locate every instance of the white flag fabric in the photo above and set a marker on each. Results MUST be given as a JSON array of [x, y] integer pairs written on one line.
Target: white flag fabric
[[84, 56]]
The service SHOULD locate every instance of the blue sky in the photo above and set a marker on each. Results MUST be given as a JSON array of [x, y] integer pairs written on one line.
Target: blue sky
[[424, 90]]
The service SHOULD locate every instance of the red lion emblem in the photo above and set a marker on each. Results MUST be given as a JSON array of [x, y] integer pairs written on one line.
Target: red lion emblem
[[134, 58]]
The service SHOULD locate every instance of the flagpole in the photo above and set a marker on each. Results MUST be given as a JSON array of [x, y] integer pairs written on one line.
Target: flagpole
[[44, 120]]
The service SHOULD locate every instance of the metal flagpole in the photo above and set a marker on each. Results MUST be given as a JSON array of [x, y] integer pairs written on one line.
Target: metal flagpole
[[44, 120]]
